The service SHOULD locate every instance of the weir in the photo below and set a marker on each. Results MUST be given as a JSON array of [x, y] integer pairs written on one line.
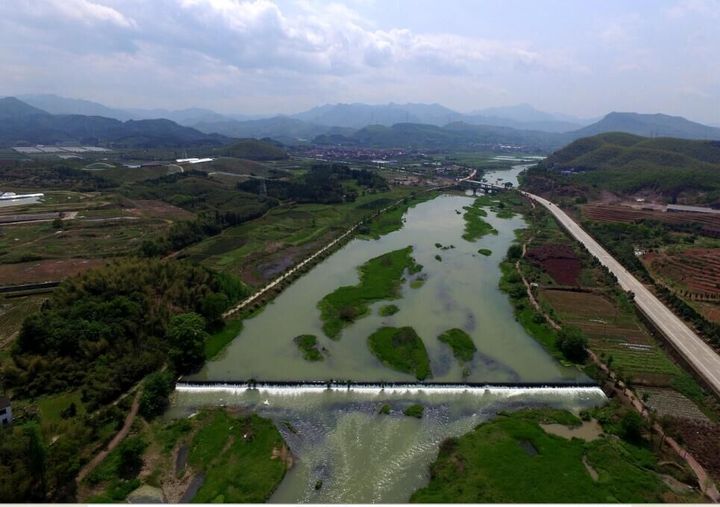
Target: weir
[[301, 387]]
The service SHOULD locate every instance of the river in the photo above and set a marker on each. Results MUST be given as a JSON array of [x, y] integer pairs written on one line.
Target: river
[[338, 437], [461, 291]]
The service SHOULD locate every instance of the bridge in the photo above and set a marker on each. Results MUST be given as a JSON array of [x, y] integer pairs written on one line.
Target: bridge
[[488, 188]]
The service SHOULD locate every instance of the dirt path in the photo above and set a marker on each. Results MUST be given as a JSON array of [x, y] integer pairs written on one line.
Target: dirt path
[[99, 457]]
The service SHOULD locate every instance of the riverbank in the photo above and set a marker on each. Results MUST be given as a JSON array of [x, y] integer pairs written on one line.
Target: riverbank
[[513, 459]]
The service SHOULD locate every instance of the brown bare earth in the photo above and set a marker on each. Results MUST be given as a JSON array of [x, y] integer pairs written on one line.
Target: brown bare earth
[[695, 271], [158, 209], [45, 271], [711, 311], [709, 223], [702, 440], [559, 261]]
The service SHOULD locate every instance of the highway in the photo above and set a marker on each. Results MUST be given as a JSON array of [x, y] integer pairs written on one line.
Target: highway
[[701, 357]]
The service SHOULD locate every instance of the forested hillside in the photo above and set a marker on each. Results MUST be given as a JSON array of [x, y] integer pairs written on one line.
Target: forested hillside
[[677, 169], [105, 330]]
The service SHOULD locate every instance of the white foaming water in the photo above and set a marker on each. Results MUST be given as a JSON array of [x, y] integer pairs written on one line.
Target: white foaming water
[[340, 438], [376, 390]]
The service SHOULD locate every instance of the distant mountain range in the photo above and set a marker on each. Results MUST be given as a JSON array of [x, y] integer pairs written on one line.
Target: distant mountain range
[[21, 123], [390, 125]]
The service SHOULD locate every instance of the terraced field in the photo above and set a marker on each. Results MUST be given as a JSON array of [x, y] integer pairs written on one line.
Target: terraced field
[[614, 332], [695, 271], [709, 224]]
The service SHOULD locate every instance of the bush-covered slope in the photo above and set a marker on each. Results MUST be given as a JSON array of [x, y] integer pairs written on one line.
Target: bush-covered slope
[[626, 163]]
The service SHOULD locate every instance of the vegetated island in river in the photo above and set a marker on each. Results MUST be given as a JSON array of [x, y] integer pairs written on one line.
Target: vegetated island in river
[[380, 279], [514, 459], [460, 342], [308, 345], [401, 349], [475, 226]]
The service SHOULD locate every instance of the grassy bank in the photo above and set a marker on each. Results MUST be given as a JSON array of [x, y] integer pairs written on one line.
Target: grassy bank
[[401, 349], [533, 322], [512, 459], [240, 458], [380, 279], [217, 341], [391, 220]]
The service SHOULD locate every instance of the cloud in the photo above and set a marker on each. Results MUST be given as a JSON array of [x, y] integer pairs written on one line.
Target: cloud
[[83, 11], [686, 8]]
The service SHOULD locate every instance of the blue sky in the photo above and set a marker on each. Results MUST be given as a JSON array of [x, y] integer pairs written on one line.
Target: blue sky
[[583, 58]]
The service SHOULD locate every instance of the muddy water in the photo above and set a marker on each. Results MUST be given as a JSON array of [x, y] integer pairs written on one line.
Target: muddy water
[[460, 291], [339, 438], [340, 441]]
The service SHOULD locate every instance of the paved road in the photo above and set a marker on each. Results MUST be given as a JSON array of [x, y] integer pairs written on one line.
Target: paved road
[[688, 344]]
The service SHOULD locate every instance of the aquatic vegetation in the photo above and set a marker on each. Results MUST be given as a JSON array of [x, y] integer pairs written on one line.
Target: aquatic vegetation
[[401, 349], [388, 310], [380, 278], [460, 342], [416, 410], [308, 343], [475, 226]]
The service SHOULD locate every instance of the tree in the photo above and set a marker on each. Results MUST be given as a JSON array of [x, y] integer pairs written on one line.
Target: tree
[[130, 450], [212, 307], [514, 252], [572, 343], [632, 426], [154, 399], [186, 334]]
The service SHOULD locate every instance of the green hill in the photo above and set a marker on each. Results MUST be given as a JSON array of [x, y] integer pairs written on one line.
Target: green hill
[[625, 163], [253, 149]]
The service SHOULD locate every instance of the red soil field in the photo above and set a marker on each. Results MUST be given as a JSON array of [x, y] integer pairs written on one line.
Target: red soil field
[[710, 223], [559, 261]]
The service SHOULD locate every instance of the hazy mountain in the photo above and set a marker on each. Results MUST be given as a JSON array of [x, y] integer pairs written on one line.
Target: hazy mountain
[[11, 108], [528, 114], [24, 124], [454, 135], [361, 115], [55, 104], [281, 128], [649, 125]]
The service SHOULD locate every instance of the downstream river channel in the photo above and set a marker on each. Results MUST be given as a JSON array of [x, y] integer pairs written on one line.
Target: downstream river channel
[[338, 437]]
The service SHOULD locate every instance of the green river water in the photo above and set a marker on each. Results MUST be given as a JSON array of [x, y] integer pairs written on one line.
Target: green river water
[[337, 436]]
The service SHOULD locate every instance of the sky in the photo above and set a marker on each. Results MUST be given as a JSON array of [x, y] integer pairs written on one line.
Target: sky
[[577, 57]]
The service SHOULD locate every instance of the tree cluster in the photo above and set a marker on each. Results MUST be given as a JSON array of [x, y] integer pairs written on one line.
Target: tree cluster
[[322, 184], [105, 330]]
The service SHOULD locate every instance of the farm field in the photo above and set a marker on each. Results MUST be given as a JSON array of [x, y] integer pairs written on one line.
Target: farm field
[[695, 272], [614, 333], [708, 224], [45, 270], [558, 260], [259, 250]]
